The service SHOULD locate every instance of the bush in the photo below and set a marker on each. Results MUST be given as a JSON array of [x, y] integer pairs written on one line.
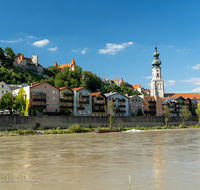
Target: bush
[[37, 126], [29, 131], [77, 129]]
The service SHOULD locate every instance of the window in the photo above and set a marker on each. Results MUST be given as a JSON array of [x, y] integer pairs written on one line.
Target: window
[[37, 91], [47, 97], [54, 105], [53, 98], [2, 91], [2, 86], [47, 104], [33, 90], [57, 104], [53, 92], [61, 92], [157, 74], [42, 91], [48, 92], [56, 92]]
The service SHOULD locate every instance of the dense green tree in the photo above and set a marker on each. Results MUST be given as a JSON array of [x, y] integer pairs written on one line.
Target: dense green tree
[[139, 113], [18, 54], [7, 101], [198, 112], [2, 56], [10, 56], [185, 113]]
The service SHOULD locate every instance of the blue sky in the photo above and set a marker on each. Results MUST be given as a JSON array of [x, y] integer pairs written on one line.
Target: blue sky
[[111, 38]]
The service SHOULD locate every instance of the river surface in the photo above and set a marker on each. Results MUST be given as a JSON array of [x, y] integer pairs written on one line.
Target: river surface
[[154, 160]]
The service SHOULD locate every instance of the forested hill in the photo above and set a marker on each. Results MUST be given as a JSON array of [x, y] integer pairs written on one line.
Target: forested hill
[[59, 78]]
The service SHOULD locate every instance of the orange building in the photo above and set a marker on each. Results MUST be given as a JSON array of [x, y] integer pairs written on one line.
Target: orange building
[[70, 65], [153, 106]]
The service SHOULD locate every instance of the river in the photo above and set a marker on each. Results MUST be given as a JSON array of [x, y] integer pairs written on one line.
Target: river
[[158, 160]]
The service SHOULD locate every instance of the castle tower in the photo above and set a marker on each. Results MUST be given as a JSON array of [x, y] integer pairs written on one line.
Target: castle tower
[[157, 84], [35, 59]]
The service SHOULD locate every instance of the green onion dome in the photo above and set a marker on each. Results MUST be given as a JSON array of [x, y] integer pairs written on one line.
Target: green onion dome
[[156, 61]]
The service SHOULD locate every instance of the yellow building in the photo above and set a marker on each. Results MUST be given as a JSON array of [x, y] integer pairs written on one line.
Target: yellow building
[[66, 99], [99, 100]]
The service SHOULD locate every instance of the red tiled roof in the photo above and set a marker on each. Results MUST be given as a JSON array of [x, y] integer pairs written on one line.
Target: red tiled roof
[[116, 79], [121, 81], [64, 88], [146, 90], [76, 89], [184, 95], [72, 64], [55, 64], [95, 94], [136, 86]]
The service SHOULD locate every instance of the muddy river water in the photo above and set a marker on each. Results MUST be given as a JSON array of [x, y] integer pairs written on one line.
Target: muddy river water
[[155, 160]]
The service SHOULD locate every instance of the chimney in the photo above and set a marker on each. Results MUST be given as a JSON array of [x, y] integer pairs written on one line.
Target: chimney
[[33, 84]]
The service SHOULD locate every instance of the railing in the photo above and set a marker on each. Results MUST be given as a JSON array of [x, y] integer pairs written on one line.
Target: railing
[[152, 107], [65, 100], [82, 102], [153, 102], [121, 100], [80, 108], [152, 111], [84, 96], [66, 107], [68, 94], [39, 99], [99, 104], [120, 111], [38, 106], [101, 110], [121, 106], [100, 98]]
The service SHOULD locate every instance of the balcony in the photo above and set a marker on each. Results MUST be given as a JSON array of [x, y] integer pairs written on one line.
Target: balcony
[[68, 94], [38, 100], [66, 107], [100, 110], [99, 104], [65, 100], [38, 106], [84, 96], [121, 100], [82, 102], [80, 108], [152, 111], [171, 106], [120, 111], [152, 102], [100, 98], [152, 107], [121, 106]]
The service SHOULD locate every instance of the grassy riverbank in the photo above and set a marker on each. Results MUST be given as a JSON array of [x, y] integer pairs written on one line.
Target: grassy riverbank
[[81, 129]]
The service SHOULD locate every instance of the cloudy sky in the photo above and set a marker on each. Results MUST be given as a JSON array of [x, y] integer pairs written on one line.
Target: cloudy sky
[[112, 38]]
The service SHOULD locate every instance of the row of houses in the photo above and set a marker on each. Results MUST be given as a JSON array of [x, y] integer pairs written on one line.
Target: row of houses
[[82, 102]]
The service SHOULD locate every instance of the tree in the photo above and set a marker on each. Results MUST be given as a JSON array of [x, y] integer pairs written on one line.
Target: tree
[[198, 112], [18, 54], [111, 111], [10, 56], [166, 113], [7, 101], [139, 113], [2, 56], [21, 101], [185, 113]]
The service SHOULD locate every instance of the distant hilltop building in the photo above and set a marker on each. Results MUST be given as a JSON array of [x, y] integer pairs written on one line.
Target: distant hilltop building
[[157, 84], [29, 64], [70, 65]]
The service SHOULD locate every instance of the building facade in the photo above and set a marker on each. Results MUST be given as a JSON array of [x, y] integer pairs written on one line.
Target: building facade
[[135, 103], [121, 103], [157, 84], [66, 99], [99, 100], [82, 102], [3, 88]]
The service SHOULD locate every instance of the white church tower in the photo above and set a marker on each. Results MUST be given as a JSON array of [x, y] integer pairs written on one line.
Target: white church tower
[[157, 84]]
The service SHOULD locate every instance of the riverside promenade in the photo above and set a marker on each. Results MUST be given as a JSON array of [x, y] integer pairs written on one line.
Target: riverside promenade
[[25, 122]]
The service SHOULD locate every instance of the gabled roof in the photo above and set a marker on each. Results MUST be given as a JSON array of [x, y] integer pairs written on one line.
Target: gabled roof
[[94, 94], [136, 86], [113, 93], [76, 89], [103, 80], [64, 88], [176, 97], [43, 83], [185, 95]]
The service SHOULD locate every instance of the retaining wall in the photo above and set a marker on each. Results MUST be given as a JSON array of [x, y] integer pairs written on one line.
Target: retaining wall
[[25, 122]]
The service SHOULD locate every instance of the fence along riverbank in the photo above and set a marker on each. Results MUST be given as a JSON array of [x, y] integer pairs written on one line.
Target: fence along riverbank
[[25, 122]]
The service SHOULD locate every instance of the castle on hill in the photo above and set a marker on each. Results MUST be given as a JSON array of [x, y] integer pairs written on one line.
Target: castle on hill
[[70, 65]]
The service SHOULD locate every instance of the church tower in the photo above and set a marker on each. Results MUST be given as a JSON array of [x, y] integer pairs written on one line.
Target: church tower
[[157, 84]]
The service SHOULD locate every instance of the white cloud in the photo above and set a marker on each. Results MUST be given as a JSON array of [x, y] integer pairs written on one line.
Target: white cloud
[[192, 80], [196, 90], [84, 51], [178, 50], [170, 46], [185, 49], [53, 49], [41, 43], [75, 50], [170, 82], [196, 67], [149, 77], [30, 36], [11, 41], [113, 48]]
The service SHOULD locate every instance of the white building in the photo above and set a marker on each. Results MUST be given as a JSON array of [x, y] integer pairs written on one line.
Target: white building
[[136, 103], [157, 84], [3, 88], [121, 103]]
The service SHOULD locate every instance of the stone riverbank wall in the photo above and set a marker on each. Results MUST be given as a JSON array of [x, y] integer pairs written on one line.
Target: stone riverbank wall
[[25, 122]]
